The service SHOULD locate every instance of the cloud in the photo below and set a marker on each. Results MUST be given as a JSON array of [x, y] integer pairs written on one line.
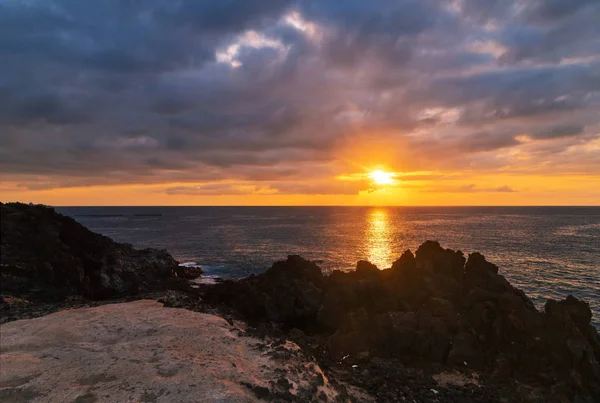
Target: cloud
[[271, 91], [505, 189], [561, 131], [549, 10], [488, 141], [471, 188], [220, 189], [279, 188]]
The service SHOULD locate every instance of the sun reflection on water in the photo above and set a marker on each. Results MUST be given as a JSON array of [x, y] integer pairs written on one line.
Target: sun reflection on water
[[378, 239]]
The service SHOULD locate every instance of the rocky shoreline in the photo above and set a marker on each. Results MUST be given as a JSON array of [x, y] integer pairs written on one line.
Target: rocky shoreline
[[432, 314], [436, 326], [49, 261]]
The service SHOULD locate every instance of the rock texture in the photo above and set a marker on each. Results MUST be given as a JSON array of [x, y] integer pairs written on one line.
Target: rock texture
[[432, 308], [142, 352], [46, 257]]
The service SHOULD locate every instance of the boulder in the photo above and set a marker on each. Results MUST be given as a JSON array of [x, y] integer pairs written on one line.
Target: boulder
[[481, 273], [430, 256], [579, 311], [289, 293], [188, 273], [405, 264], [365, 269]]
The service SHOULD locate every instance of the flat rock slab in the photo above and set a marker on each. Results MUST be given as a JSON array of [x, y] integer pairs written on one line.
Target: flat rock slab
[[142, 352]]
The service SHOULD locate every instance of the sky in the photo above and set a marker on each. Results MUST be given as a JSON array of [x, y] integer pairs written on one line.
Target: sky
[[297, 102]]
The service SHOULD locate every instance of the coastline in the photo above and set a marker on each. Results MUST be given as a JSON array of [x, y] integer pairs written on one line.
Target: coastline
[[436, 326], [549, 253]]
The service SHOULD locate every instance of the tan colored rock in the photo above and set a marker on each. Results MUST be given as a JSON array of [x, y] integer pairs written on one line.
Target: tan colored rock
[[142, 352]]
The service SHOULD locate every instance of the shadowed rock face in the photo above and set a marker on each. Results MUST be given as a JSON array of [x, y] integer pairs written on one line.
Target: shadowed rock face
[[47, 256], [432, 307]]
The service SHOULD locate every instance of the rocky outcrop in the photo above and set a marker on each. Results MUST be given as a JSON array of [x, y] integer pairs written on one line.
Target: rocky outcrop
[[142, 352], [46, 257], [435, 307], [261, 297]]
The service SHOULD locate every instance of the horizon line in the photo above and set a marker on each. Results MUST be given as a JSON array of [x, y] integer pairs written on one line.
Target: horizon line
[[332, 205]]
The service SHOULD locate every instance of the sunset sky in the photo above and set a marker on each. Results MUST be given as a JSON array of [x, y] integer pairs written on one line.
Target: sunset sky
[[267, 102]]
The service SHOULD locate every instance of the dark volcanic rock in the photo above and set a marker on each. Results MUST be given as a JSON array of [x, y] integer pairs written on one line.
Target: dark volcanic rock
[[431, 308], [46, 257], [289, 292], [188, 273]]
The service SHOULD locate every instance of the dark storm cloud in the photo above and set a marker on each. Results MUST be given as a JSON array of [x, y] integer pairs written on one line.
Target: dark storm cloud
[[224, 16], [518, 86], [549, 10], [48, 107], [259, 90], [358, 30], [561, 131]]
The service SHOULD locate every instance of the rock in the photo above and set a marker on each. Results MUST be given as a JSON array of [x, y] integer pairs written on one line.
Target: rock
[[140, 351], [442, 287], [47, 257], [290, 293], [338, 300], [364, 268], [345, 292], [443, 309], [396, 333], [353, 336], [464, 351], [434, 338], [406, 263], [188, 273], [445, 262], [432, 308], [296, 268], [578, 311], [481, 273], [577, 341], [478, 265]]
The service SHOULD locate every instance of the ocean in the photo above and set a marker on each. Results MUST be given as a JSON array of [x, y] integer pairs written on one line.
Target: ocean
[[549, 252]]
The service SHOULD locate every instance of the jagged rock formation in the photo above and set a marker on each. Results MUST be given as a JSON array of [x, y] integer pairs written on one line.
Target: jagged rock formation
[[46, 257], [432, 307]]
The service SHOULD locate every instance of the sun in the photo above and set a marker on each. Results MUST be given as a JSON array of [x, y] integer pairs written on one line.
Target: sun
[[381, 177]]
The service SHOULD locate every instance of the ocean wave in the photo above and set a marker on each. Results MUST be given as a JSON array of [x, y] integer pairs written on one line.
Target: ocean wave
[[190, 264], [209, 271]]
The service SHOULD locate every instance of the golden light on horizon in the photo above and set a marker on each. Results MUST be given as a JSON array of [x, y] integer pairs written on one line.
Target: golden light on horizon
[[382, 177]]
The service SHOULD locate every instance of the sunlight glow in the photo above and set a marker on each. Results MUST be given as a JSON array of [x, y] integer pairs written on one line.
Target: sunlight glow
[[250, 39], [379, 238], [296, 20], [381, 177]]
